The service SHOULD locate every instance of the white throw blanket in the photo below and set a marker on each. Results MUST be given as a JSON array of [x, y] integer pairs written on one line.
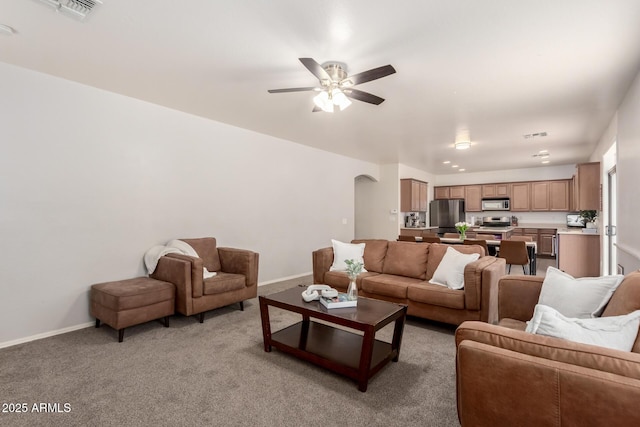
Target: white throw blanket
[[153, 255]]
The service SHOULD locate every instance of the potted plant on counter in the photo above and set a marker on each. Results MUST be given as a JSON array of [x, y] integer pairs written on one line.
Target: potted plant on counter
[[588, 218]]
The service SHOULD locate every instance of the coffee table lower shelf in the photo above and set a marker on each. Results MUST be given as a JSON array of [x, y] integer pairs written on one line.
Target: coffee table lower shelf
[[332, 348]]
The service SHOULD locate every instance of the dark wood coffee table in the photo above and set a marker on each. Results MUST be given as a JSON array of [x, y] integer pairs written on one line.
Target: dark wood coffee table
[[350, 354]]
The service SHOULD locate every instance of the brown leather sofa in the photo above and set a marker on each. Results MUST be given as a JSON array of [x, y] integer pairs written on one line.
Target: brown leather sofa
[[507, 377], [400, 272], [236, 279]]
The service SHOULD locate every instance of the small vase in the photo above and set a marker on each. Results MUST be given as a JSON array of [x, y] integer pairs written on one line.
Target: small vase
[[352, 291], [463, 235]]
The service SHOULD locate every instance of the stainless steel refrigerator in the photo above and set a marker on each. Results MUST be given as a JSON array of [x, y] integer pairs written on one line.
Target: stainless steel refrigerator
[[445, 213]]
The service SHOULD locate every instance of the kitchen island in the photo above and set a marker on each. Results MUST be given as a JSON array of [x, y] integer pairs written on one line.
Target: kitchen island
[[579, 252]]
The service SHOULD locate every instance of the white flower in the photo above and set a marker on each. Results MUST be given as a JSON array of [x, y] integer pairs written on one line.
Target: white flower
[[462, 226]]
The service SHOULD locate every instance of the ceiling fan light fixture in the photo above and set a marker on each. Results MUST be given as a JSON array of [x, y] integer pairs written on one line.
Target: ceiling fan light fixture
[[462, 145], [323, 101], [340, 99]]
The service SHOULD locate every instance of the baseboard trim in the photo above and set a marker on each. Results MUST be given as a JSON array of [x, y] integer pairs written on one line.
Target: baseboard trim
[[46, 334], [89, 324], [282, 279]]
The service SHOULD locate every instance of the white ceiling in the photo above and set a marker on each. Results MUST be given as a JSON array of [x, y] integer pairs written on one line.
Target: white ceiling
[[499, 68]]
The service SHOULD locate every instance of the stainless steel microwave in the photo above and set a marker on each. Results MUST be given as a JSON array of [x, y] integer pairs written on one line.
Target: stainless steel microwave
[[495, 205]]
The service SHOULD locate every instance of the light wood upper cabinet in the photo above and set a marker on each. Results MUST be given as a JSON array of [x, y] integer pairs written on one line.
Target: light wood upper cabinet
[[536, 196], [489, 190], [423, 196], [457, 192], [441, 193], [495, 190], [559, 199], [587, 187], [503, 190], [520, 196], [539, 196], [473, 198], [413, 195]]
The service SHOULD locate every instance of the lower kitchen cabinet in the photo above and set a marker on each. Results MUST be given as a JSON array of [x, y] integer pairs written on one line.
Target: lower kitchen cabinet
[[579, 254], [546, 241]]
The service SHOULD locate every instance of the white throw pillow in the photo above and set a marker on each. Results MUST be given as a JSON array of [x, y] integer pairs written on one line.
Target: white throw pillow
[[450, 271], [582, 298], [344, 251], [618, 332]]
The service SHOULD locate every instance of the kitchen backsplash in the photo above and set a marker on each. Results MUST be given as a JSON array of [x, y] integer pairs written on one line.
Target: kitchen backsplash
[[523, 217]]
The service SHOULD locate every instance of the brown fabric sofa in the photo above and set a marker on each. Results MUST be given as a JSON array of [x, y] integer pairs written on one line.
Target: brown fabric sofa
[[236, 279], [400, 272], [507, 377]]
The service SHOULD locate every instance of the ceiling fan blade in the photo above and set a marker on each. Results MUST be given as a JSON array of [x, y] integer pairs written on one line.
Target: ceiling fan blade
[[315, 68], [363, 96], [293, 89], [373, 74]]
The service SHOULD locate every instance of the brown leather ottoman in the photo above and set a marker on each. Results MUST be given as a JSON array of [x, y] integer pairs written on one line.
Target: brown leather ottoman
[[130, 302]]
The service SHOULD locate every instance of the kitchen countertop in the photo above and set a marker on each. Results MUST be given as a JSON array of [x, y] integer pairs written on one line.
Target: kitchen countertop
[[494, 229], [566, 230], [418, 228]]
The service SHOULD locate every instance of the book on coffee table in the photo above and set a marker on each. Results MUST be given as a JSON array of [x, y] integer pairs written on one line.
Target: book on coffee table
[[340, 301]]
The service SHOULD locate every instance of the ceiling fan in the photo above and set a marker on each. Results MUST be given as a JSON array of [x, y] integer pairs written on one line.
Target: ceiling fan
[[336, 87]]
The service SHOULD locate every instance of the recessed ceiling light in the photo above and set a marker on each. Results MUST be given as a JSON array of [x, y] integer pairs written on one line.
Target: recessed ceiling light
[[543, 151], [544, 156], [545, 161], [461, 170], [462, 145], [446, 162], [454, 166], [5, 29]]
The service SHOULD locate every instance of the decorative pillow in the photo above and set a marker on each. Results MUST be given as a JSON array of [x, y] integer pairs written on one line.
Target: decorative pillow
[[582, 298], [450, 271], [344, 251], [617, 332]]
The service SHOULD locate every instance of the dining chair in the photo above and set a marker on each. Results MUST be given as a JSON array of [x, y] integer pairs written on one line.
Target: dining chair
[[402, 238], [451, 236], [431, 239], [479, 242], [514, 252]]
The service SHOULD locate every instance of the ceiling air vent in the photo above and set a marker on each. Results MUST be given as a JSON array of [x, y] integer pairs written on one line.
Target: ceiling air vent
[[534, 135], [78, 9]]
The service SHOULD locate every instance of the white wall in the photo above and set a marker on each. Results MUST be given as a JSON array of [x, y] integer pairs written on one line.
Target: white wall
[[628, 176], [90, 180], [508, 175]]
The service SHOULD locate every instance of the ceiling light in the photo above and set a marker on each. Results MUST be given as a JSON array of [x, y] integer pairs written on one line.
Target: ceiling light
[[545, 161], [5, 29], [461, 170], [454, 166], [340, 99], [463, 138], [323, 102], [446, 162]]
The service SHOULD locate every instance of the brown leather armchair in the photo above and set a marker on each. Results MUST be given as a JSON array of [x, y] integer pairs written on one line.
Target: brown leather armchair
[[508, 377], [236, 279]]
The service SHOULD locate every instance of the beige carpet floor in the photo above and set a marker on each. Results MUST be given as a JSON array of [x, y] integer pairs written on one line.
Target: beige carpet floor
[[217, 374]]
